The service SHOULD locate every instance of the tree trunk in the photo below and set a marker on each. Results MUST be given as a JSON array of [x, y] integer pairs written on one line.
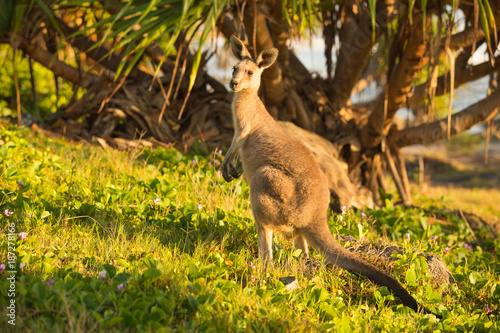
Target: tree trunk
[[256, 23], [399, 85], [475, 114]]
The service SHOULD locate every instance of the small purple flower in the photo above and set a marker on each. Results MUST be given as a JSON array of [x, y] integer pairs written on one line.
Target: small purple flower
[[20, 184], [22, 235], [341, 218], [210, 164], [446, 249], [487, 309], [121, 286], [343, 208], [51, 282], [156, 201], [22, 265], [29, 215], [7, 213], [102, 274], [434, 237], [363, 215], [467, 246], [200, 206], [2, 267], [219, 152], [217, 162], [194, 162], [407, 236], [252, 267]]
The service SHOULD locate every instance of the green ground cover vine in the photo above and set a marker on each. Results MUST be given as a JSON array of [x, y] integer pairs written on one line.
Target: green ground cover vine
[[155, 240]]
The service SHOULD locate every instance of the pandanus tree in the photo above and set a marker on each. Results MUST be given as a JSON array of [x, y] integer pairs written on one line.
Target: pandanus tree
[[139, 68]]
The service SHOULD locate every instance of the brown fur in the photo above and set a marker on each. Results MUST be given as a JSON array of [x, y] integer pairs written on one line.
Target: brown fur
[[288, 190]]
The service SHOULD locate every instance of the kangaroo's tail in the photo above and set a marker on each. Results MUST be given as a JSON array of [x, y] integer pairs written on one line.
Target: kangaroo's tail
[[323, 241]]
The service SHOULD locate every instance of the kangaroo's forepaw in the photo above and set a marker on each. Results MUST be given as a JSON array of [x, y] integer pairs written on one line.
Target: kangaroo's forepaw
[[233, 171], [226, 175], [225, 168]]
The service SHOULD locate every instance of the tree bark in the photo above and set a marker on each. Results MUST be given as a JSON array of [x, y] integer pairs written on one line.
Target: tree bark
[[462, 75], [399, 85], [465, 38], [475, 114], [60, 68], [274, 86], [355, 48], [99, 54]]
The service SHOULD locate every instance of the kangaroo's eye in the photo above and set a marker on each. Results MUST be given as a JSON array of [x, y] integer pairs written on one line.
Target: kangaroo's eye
[[250, 73]]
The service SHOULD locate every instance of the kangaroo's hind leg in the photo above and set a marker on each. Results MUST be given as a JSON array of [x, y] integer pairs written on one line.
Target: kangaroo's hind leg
[[265, 238], [300, 243]]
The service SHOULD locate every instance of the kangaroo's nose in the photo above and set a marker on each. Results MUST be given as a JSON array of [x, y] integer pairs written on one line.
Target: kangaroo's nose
[[233, 84]]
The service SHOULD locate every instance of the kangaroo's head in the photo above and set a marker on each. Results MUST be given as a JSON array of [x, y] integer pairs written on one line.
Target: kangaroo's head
[[247, 73]]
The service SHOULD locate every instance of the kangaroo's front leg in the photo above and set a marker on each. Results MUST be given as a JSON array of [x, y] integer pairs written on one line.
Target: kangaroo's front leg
[[228, 166]]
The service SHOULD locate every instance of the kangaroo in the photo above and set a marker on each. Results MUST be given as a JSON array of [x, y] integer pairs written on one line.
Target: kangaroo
[[288, 190]]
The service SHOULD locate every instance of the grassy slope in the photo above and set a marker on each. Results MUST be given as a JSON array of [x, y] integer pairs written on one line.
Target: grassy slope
[[181, 260]]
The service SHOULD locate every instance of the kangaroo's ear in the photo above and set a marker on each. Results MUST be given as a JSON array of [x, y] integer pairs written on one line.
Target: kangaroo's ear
[[239, 49], [266, 58]]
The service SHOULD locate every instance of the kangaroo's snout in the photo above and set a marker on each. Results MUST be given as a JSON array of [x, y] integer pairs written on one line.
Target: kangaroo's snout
[[233, 84]]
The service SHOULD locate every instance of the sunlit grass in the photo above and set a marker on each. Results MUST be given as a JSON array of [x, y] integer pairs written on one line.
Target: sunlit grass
[[178, 249], [481, 201]]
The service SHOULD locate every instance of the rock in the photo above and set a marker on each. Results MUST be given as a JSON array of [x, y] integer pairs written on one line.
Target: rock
[[437, 268]]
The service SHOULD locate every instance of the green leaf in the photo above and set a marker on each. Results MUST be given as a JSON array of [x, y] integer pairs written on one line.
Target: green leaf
[[474, 277], [210, 23], [423, 4], [112, 321], [151, 273], [50, 15], [44, 215], [484, 20], [411, 4], [118, 16], [110, 269], [372, 7], [489, 14], [6, 16], [411, 276]]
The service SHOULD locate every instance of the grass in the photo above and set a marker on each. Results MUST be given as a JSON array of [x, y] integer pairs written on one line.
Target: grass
[[156, 241], [480, 201]]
